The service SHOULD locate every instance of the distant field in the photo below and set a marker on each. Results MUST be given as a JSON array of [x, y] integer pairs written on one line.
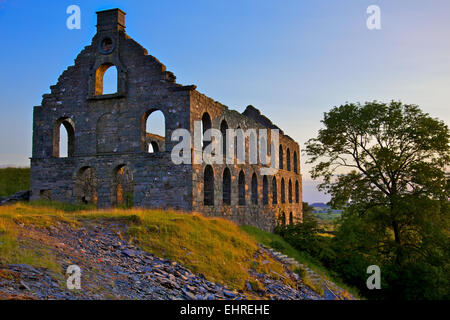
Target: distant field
[[327, 216], [13, 180]]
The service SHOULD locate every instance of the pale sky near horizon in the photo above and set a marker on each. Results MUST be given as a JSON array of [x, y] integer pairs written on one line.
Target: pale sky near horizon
[[293, 60]]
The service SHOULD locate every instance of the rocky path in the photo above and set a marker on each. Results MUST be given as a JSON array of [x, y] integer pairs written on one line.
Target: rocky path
[[112, 268]]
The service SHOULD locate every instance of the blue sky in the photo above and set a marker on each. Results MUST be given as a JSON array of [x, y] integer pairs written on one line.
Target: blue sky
[[293, 60]]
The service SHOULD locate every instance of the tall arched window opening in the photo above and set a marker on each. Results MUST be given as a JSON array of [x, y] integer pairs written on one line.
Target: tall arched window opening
[[226, 187], [123, 186], [288, 160], [208, 186], [265, 191], [281, 158], [206, 125], [254, 189], [86, 186], [154, 131], [295, 162], [223, 130], [64, 138], [274, 191], [241, 188], [290, 191]]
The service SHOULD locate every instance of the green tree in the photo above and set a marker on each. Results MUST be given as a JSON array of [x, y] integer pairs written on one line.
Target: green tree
[[303, 236], [387, 163]]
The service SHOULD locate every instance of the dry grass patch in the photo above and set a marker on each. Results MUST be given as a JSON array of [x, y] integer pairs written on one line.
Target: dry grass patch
[[214, 247]]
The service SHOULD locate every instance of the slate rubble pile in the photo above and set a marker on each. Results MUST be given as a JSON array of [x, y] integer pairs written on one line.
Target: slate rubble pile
[[113, 268], [18, 196]]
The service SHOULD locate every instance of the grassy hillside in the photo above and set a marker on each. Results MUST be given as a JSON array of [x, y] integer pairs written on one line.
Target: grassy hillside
[[13, 180], [216, 248], [278, 243]]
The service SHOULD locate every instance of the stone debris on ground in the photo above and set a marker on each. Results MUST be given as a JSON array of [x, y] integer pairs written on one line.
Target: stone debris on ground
[[18, 196], [113, 268]]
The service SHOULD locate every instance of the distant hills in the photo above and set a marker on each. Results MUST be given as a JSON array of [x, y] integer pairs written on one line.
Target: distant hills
[[319, 205]]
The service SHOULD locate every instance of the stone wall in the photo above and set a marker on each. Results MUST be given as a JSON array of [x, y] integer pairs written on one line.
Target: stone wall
[[107, 133], [264, 216]]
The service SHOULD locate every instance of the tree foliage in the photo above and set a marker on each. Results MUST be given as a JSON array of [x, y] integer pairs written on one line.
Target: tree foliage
[[385, 163]]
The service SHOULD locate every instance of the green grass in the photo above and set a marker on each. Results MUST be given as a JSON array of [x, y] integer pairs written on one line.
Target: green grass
[[216, 248], [327, 216], [15, 251], [277, 243], [13, 180]]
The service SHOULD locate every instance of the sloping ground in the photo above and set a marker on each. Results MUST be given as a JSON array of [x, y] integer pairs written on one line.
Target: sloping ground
[[13, 180], [139, 254], [313, 273]]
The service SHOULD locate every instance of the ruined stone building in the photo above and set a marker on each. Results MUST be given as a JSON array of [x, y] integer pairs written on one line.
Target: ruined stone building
[[113, 161]]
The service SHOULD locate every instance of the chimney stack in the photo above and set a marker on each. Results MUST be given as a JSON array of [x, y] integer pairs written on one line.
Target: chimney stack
[[110, 20]]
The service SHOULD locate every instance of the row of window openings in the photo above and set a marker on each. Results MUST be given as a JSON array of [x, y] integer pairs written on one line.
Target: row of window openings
[[109, 84], [208, 189], [206, 124], [155, 125]]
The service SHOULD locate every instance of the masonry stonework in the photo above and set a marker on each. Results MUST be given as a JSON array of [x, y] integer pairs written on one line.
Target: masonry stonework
[[108, 160]]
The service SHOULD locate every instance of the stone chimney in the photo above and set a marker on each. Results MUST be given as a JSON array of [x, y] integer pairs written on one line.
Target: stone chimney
[[110, 20]]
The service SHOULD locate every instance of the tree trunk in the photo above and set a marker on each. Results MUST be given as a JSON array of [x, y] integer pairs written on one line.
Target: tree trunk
[[398, 242]]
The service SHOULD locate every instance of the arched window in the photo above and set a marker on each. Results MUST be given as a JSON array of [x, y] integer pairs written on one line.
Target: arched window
[[281, 160], [226, 187], [64, 138], [297, 192], [295, 162], [86, 186], [288, 160], [106, 79], [154, 131], [290, 191], [241, 188], [283, 219], [206, 125], [283, 191], [123, 186], [254, 189], [153, 147], [265, 191], [291, 219], [223, 130], [208, 186], [274, 191]]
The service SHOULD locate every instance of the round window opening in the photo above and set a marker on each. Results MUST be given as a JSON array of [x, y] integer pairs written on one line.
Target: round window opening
[[106, 46]]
